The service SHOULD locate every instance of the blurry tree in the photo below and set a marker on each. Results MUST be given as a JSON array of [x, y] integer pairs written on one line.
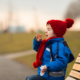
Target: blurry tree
[[10, 15], [1, 27], [36, 19], [73, 10]]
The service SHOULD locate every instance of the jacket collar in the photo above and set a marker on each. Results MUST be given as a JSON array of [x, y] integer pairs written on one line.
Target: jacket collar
[[55, 40]]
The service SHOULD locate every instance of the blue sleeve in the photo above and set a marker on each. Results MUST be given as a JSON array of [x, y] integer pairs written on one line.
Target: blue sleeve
[[59, 63], [36, 44]]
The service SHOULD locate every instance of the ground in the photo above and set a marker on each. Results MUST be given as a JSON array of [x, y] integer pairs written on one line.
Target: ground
[[12, 70]]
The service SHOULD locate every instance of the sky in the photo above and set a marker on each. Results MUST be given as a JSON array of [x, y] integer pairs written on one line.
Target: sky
[[48, 6], [30, 11]]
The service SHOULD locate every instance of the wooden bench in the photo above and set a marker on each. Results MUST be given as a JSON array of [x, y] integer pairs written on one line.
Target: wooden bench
[[75, 72]]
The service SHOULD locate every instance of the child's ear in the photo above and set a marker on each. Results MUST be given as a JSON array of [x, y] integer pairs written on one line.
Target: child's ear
[[54, 34]]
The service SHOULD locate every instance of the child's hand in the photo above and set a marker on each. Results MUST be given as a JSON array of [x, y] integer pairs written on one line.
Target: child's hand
[[38, 37], [44, 69]]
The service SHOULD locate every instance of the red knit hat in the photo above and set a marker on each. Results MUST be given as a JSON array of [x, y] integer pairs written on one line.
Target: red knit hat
[[59, 27]]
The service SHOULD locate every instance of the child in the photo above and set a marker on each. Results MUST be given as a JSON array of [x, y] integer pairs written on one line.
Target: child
[[54, 38]]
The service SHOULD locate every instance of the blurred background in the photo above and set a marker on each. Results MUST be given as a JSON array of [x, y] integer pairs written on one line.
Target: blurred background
[[31, 15], [21, 20]]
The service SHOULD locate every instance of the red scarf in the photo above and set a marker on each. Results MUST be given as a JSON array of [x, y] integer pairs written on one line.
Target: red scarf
[[40, 52]]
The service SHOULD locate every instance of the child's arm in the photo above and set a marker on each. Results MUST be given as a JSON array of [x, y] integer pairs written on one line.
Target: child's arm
[[60, 62], [36, 41]]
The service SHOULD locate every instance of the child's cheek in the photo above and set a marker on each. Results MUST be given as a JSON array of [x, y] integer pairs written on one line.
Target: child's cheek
[[50, 33]]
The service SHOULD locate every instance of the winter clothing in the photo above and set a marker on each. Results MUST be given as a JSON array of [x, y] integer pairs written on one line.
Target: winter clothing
[[43, 57], [59, 27], [59, 63], [40, 52]]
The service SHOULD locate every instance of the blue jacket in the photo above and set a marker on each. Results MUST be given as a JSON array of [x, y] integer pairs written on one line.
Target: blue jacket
[[59, 63]]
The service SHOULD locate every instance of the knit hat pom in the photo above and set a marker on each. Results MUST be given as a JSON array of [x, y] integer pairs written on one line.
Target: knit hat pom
[[69, 22]]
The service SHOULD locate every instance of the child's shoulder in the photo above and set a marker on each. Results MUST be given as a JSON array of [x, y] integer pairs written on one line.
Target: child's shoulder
[[58, 43]]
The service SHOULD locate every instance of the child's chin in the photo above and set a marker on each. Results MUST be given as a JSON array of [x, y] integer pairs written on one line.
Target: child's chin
[[46, 37]]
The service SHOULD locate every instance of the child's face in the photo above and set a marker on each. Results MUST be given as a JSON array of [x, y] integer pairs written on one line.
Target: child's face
[[49, 32]]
